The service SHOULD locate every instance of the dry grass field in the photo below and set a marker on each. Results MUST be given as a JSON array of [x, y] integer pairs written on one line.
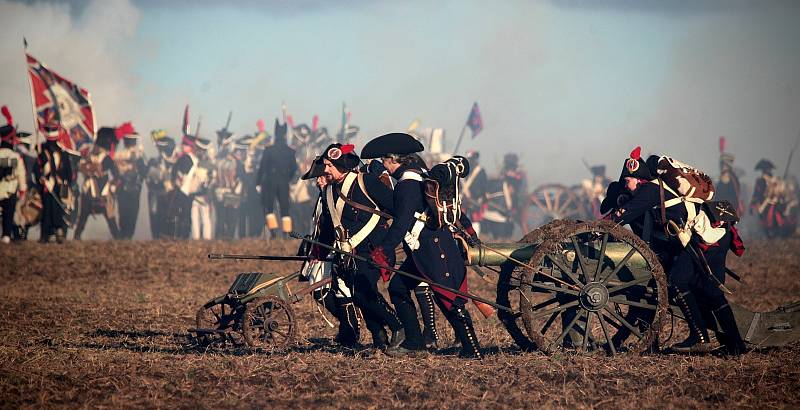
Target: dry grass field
[[103, 325]]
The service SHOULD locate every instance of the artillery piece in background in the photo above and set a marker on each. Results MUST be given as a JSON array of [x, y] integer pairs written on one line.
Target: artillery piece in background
[[576, 286]]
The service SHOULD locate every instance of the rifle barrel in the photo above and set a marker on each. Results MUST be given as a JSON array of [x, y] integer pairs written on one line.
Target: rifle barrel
[[259, 257]]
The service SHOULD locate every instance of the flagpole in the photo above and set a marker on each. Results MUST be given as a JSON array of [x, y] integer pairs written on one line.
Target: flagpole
[[33, 102], [460, 137]]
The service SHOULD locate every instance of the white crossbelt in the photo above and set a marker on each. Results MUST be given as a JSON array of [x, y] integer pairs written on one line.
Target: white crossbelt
[[412, 237], [336, 207]]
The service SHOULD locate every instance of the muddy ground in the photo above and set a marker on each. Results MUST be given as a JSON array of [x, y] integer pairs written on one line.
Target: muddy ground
[[103, 324]]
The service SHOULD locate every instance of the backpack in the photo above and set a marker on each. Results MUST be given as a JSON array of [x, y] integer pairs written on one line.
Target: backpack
[[685, 180], [442, 192], [693, 188]]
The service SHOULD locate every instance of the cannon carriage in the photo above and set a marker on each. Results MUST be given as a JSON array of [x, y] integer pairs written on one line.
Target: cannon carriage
[[566, 286]]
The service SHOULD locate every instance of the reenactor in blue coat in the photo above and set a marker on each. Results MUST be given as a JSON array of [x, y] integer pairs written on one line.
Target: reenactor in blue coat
[[354, 220], [430, 252], [696, 268]]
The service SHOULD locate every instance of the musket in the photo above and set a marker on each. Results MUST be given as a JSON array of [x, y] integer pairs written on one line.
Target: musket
[[260, 257], [791, 153], [228, 123], [402, 273]]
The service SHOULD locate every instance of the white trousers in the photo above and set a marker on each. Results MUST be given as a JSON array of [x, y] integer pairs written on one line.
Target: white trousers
[[201, 220]]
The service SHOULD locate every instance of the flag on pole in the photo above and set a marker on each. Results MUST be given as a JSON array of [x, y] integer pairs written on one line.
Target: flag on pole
[[474, 121], [58, 100]]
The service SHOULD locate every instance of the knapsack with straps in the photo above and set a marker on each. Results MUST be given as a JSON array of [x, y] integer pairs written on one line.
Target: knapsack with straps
[[442, 191], [692, 188], [686, 180]]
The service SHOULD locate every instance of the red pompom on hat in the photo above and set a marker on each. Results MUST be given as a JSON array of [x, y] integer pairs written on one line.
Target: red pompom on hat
[[636, 153], [124, 130], [635, 167], [348, 148]]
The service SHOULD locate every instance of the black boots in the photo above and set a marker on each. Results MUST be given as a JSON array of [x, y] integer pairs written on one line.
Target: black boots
[[461, 321], [345, 312], [698, 341], [349, 329], [732, 340], [424, 296]]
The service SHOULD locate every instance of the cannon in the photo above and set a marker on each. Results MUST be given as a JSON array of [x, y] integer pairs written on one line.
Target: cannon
[[588, 286], [570, 286]]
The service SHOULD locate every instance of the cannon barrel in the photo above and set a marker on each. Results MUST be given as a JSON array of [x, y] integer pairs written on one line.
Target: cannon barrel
[[497, 254]]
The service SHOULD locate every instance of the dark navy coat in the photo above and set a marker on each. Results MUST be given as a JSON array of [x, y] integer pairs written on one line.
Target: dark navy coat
[[438, 257]]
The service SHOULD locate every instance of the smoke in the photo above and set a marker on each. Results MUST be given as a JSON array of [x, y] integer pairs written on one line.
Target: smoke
[[86, 42]]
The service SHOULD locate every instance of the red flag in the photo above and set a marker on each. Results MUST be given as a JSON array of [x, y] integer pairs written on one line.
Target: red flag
[[57, 99], [474, 121]]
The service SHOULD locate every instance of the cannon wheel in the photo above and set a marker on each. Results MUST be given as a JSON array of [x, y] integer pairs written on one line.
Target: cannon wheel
[[268, 322], [552, 202], [508, 286], [601, 303], [222, 316]]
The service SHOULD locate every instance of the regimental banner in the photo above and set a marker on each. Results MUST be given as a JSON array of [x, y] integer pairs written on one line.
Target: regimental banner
[[58, 100], [474, 121]]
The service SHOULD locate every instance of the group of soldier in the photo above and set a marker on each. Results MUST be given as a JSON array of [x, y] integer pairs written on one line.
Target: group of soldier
[[382, 208], [194, 189], [364, 212], [353, 242]]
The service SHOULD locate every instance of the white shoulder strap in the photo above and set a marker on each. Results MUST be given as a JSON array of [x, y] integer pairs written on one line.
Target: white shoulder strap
[[411, 175]]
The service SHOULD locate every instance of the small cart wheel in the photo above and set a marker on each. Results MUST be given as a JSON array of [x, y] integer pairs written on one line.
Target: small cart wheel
[[268, 323]]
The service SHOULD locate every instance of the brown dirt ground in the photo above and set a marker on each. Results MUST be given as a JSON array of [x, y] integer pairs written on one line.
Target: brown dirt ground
[[104, 327]]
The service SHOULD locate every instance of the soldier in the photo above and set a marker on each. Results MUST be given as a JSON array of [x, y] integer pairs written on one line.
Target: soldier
[[251, 214], [474, 189], [186, 185], [132, 169], [29, 206], [101, 180], [336, 298], [13, 176], [352, 220], [515, 188], [278, 169], [199, 186], [54, 174], [160, 190], [228, 187], [766, 199], [687, 256], [430, 252], [728, 187]]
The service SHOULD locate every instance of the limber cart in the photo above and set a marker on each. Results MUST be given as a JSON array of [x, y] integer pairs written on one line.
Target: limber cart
[[573, 286]]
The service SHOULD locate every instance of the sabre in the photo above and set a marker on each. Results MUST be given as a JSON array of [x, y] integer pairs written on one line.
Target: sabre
[[700, 259], [399, 272]]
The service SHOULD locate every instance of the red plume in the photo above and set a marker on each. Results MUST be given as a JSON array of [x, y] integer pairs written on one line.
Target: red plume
[[348, 148], [290, 120], [260, 125], [123, 130], [721, 144], [314, 122], [7, 114], [636, 153]]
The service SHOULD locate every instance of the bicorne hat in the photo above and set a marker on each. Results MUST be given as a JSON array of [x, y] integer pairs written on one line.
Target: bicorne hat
[[398, 143]]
